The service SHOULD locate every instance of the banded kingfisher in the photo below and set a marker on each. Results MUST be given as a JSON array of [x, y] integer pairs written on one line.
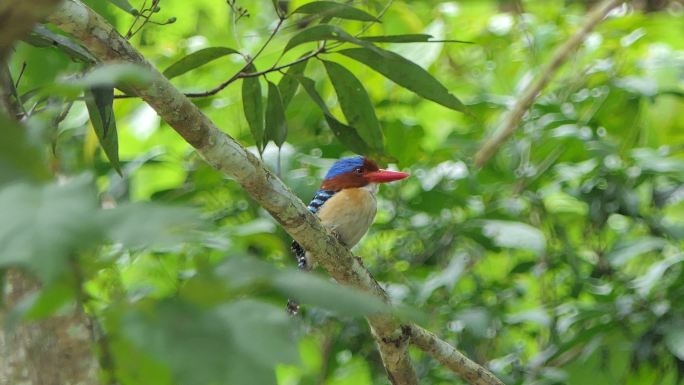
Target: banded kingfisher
[[345, 203]]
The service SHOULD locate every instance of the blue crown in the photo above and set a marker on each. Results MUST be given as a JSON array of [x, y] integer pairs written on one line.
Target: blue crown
[[344, 165]]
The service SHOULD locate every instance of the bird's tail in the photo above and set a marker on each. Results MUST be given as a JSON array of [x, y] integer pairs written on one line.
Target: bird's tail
[[300, 256]]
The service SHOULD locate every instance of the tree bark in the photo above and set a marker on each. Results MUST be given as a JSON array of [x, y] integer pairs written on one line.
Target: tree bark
[[54, 351]]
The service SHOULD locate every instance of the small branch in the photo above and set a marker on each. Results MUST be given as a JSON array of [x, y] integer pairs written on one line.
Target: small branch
[[452, 358], [512, 120], [242, 75], [239, 75]]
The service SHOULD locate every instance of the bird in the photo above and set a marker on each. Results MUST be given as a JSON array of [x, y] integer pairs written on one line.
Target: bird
[[345, 203]]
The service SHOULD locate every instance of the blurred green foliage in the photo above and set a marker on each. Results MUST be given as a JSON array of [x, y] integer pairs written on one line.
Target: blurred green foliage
[[559, 262]]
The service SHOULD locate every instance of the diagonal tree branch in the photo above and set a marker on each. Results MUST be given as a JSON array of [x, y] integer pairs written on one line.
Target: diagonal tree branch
[[452, 358], [512, 119], [226, 155]]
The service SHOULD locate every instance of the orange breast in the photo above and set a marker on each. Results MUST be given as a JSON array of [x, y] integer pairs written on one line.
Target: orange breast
[[349, 213]]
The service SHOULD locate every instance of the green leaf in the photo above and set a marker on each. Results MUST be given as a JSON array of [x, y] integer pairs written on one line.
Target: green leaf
[[307, 288], [105, 75], [148, 224], [651, 160], [48, 223], [197, 59], [252, 105], [20, 158], [624, 251], [333, 9], [41, 36], [355, 103], [407, 38], [515, 235], [345, 134], [674, 340], [325, 32], [125, 5], [405, 73], [276, 126], [288, 84], [238, 343], [113, 74], [100, 102]]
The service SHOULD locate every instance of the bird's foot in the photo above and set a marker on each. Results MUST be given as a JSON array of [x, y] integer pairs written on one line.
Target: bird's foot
[[292, 307]]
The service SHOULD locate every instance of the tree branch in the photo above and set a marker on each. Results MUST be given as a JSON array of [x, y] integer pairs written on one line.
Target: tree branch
[[452, 358], [531, 92], [226, 155]]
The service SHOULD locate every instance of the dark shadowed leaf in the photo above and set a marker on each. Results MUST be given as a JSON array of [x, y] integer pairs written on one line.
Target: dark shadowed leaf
[[253, 106], [333, 9], [100, 101], [345, 134], [276, 126], [408, 38], [41, 36], [197, 59], [355, 103], [288, 84], [405, 73], [324, 32], [20, 158]]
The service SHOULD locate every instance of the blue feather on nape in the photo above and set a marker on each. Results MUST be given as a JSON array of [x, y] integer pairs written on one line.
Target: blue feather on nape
[[344, 165]]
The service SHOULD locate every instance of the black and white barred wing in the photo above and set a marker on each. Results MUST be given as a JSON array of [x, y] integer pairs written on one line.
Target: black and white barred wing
[[316, 203]]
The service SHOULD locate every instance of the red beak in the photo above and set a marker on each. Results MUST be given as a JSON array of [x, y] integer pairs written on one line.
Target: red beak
[[384, 176]]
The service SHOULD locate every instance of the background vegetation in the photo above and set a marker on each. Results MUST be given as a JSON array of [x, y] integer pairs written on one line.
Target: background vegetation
[[558, 262]]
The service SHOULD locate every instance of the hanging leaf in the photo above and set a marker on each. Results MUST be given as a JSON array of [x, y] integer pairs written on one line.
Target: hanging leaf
[[125, 5], [197, 59], [324, 32], [100, 101], [345, 134], [333, 9], [252, 105], [405, 73], [276, 126], [355, 103], [288, 84]]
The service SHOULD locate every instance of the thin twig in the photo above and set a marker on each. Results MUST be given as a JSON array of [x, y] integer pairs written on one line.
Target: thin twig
[[446, 354], [512, 119], [241, 74]]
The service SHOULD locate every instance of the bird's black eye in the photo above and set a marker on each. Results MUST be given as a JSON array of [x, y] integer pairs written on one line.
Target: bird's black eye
[[358, 171]]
